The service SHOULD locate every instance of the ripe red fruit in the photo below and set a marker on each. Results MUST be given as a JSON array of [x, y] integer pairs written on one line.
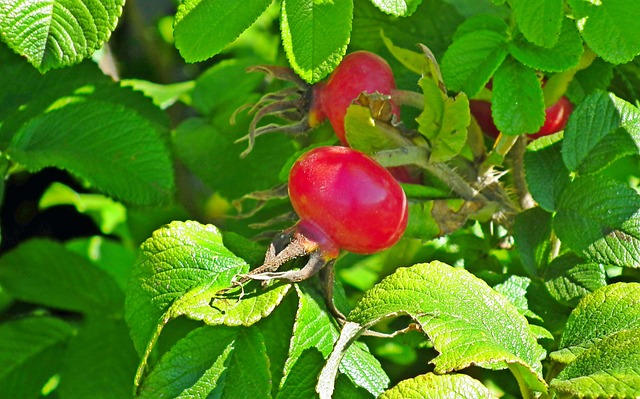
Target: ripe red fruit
[[556, 117], [360, 71], [346, 200]]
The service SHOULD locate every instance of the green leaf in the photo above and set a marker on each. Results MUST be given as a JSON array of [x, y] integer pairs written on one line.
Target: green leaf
[[223, 87], [470, 62], [397, 8], [597, 76], [29, 94], [563, 55], [515, 290], [55, 33], [209, 151], [540, 21], [108, 214], [301, 379], [517, 101], [545, 173], [609, 27], [599, 219], [30, 353], [163, 96], [364, 133], [313, 49], [482, 22], [609, 369], [569, 279], [110, 146], [412, 60], [178, 259], [433, 19], [443, 121], [212, 362], [601, 314], [44, 272], [101, 349], [314, 328], [457, 310], [602, 129], [532, 233], [203, 28], [453, 386]]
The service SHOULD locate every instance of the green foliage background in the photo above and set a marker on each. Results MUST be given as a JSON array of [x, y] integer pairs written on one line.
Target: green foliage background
[[127, 206]]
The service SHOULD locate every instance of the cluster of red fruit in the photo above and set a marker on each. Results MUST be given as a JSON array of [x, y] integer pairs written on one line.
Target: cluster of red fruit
[[346, 200]]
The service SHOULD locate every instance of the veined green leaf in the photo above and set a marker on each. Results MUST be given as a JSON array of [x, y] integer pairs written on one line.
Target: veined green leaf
[[532, 233], [212, 362], [546, 175], [397, 8], [179, 259], [569, 279], [108, 145], [315, 35], [44, 272], [314, 328], [599, 219], [443, 121], [456, 310], [563, 55], [609, 27], [203, 28], [608, 369], [55, 33], [602, 129], [30, 353], [481, 22], [606, 311], [471, 61], [101, 349], [454, 386], [517, 100], [540, 21]]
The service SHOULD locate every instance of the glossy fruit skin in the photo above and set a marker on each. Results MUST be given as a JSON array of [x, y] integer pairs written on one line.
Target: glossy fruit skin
[[360, 71], [556, 117], [347, 201]]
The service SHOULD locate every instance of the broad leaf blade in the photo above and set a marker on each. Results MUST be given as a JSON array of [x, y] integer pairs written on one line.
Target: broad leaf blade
[[592, 320], [314, 50], [101, 349], [609, 27], [454, 386], [314, 328], [108, 145], [30, 353], [602, 129], [563, 55], [55, 33], [46, 273], [599, 219], [608, 369], [569, 279], [540, 21], [212, 362], [179, 258], [470, 61], [491, 330], [397, 8], [545, 173], [203, 28], [532, 233], [443, 121], [517, 100]]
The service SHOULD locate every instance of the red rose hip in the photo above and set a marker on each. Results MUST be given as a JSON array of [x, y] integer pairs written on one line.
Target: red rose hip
[[346, 200]]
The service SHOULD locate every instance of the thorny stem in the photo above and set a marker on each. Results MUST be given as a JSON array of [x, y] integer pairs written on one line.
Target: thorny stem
[[496, 157], [420, 156], [520, 183]]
